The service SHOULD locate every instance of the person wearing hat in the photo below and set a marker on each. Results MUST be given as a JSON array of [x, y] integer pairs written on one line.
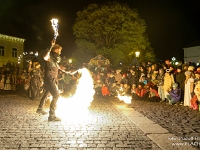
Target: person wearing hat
[[174, 95], [180, 79]]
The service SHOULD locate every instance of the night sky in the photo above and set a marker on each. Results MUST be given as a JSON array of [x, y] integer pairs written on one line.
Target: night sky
[[171, 24]]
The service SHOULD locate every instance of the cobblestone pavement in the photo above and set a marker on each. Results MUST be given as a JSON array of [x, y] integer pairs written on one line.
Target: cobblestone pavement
[[180, 120], [104, 128]]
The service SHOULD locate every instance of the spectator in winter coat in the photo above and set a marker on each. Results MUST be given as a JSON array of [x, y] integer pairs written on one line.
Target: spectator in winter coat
[[168, 81], [142, 72], [189, 87], [105, 91], [133, 92], [197, 77], [114, 88], [126, 90], [140, 92], [143, 80], [132, 79], [110, 80], [197, 94], [174, 95], [118, 77], [124, 79], [153, 95], [180, 80], [160, 83]]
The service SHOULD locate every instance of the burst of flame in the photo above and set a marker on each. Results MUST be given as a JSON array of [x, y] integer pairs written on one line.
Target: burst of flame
[[74, 108]]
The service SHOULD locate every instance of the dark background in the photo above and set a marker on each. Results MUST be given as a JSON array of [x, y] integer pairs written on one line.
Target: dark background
[[171, 24]]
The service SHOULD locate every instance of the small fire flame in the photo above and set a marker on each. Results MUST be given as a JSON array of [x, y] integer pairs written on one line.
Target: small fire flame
[[54, 24], [126, 99]]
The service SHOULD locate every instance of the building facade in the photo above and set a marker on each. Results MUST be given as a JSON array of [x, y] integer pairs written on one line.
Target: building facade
[[192, 54], [10, 49]]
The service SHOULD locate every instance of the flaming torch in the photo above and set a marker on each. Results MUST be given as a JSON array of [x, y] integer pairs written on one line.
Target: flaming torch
[[54, 24]]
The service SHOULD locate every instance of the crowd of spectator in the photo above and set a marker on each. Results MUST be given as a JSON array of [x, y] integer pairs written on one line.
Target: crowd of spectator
[[167, 83]]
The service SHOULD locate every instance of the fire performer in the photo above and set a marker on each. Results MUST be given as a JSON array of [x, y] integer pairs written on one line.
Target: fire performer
[[52, 59]]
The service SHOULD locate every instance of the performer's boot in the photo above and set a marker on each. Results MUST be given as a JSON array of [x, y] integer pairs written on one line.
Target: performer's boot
[[41, 111], [53, 118]]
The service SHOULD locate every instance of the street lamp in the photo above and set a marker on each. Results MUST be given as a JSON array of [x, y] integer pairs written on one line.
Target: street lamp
[[70, 61], [173, 60], [137, 54]]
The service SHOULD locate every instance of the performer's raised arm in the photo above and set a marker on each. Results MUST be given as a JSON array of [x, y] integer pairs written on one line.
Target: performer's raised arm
[[47, 54]]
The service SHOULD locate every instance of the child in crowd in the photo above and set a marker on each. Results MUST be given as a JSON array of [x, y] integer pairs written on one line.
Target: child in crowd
[[168, 81], [7, 86], [153, 95], [105, 91], [174, 95], [143, 80], [124, 79], [148, 78], [133, 92], [114, 89], [126, 90]]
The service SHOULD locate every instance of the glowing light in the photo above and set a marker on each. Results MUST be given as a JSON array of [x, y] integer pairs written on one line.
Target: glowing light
[[75, 107], [54, 23], [36, 54], [126, 99], [137, 54]]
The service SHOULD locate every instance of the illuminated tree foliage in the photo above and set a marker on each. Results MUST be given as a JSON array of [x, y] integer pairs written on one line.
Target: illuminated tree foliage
[[113, 30]]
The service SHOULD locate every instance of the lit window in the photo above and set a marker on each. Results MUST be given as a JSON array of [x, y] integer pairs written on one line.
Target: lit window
[[2, 50], [14, 52]]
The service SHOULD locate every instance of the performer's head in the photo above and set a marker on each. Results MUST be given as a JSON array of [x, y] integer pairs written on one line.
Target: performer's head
[[56, 49]]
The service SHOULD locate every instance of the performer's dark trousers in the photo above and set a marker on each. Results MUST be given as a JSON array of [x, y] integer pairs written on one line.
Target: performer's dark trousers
[[50, 87]]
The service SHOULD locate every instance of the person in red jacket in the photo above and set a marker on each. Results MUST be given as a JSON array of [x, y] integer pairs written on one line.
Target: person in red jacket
[[105, 91], [140, 92]]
